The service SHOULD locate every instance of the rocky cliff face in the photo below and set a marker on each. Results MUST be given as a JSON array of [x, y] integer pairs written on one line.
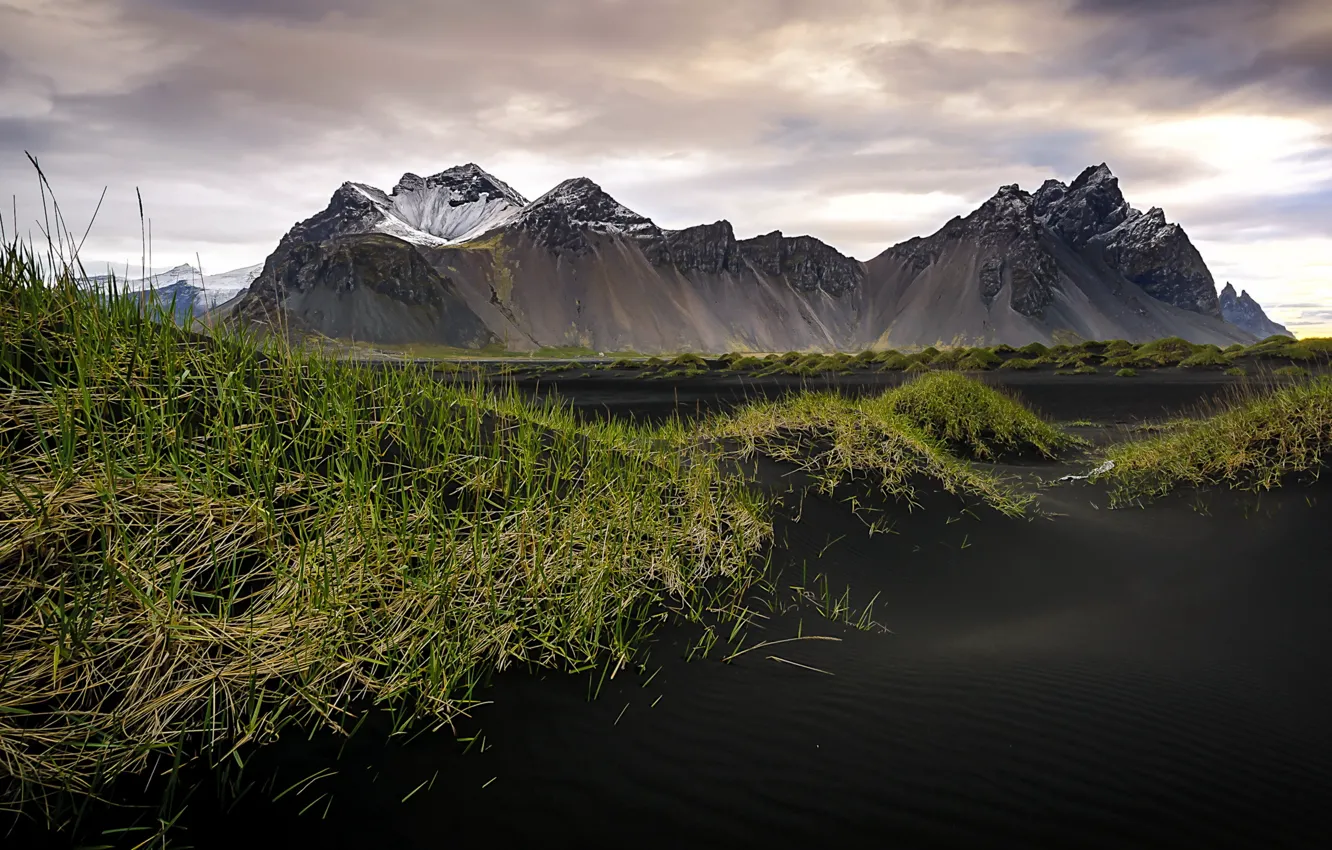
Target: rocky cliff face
[[1242, 311], [361, 286], [1006, 236], [803, 261], [706, 248], [1009, 235], [1156, 255], [460, 254], [1160, 258]]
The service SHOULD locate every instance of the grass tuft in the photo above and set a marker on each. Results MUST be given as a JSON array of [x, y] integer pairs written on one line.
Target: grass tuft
[[978, 360], [1206, 357]]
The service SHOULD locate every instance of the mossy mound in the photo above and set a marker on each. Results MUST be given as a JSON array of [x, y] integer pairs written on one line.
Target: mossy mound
[[973, 418]]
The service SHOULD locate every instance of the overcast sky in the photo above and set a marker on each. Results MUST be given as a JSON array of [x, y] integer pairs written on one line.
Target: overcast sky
[[860, 122]]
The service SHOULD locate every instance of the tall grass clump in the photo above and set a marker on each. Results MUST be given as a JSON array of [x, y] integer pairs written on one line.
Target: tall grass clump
[[203, 541], [973, 418], [1253, 444]]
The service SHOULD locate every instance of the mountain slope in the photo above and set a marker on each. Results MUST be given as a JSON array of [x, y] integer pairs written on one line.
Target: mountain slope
[[444, 258]]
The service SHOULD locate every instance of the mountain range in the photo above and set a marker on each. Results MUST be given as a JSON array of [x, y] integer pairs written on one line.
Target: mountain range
[[181, 289], [462, 259]]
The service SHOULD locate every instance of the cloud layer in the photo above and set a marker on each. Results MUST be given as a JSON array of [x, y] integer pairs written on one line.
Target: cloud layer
[[860, 122]]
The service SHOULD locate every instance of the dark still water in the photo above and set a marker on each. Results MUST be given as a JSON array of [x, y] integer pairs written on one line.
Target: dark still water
[[1136, 678]]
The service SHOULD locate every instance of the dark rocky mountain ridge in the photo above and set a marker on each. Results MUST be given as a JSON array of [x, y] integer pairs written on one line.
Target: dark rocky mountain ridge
[[1241, 310], [459, 258]]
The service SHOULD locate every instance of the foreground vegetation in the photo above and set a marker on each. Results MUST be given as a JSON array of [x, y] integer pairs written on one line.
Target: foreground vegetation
[[207, 539], [1256, 442], [203, 542]]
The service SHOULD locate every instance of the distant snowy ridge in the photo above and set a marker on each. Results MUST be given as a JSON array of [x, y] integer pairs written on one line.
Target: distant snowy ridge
[[185, 285]]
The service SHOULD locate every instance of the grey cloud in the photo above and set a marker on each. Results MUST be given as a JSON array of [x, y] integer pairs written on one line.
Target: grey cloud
[[506, 27], [288, 10], [1218, 45], [1319, 316], [1305, 214], [1304, 66]]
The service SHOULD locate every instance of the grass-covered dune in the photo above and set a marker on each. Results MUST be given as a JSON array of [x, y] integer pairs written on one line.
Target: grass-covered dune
[[923, 430], [1255, 442]]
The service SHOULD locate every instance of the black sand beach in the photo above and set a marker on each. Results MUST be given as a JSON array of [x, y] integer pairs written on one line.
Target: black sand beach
[[1142, 677]]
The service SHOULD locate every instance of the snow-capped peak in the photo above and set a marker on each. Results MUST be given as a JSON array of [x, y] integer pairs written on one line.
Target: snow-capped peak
[[586, 205], [453, 206]]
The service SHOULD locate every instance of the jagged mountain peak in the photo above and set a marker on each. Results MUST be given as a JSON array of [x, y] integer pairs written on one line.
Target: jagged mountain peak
[[580, 205], [1156, 216], [468, 184], [574, 190], [176, 273], [1010, 211], [1244, 312], [452, 206], [1086, 208], [1011, 197], [1094, 175]]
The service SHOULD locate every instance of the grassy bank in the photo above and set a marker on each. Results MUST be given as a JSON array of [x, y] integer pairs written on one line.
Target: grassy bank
[[1256, 442], [204, 542]]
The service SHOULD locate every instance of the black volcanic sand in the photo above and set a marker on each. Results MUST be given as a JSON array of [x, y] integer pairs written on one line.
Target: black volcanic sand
[[1132, 678]]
